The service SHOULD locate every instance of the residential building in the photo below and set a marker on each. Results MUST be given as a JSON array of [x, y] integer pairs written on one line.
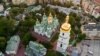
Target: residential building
[[91, 7], [1, 54], [1, 8], [96, 12], [17, 2], [47, 26], [92, 30], [35, 49], [12, 45], [64, 37], [76, 2], [30, 2]]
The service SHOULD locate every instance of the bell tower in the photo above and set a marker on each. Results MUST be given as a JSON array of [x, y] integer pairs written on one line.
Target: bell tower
[[64, 36]]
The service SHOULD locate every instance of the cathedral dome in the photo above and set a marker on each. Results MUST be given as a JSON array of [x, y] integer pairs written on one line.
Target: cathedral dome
[[50, 18], [65, 27]]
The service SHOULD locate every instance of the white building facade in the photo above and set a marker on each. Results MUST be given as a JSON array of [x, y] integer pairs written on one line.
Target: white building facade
[[92, 30], [64, 37]]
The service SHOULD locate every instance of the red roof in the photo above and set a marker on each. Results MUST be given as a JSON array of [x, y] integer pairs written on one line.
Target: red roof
[[97, 1], [97, 10]]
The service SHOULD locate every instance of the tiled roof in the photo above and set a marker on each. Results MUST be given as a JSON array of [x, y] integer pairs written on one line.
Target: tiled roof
[[97, 1], [98, 10]]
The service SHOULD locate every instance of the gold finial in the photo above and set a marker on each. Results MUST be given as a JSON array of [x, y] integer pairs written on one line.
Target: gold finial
[[67, 18], [50, 18], [50, 15], [66, 27]]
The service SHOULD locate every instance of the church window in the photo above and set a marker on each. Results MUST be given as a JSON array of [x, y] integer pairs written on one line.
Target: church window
[[63, 34], [60, 45]]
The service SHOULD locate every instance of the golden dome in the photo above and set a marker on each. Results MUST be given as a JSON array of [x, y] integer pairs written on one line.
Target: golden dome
[[66, 27], [50, 18]]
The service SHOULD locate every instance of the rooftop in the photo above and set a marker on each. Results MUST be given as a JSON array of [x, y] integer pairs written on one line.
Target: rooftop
[[35, 49], [97, 1], [13, 44], [91, 27], [47, 26], [35, 45]]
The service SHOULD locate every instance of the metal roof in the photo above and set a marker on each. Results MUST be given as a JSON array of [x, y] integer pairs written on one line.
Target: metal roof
[[44, 28], [35, 48], [13, 43], [91, 27]]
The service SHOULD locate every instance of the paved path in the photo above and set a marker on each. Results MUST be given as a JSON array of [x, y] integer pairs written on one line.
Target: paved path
[[94, 47], [21, 50]]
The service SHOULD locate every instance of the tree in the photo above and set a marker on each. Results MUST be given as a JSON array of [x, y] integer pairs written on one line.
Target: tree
[[53, 53], [26, 38], [26, 25], [81, 37], [6, 27], [47, 45], [2, 43], [55, 37], [98, 19]]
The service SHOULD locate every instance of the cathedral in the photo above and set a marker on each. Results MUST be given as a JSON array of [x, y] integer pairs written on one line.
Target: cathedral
[[47, 26]]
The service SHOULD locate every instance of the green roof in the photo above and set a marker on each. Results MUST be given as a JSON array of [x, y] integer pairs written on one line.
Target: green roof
[[13, 43], [35, 48], [44, 28]]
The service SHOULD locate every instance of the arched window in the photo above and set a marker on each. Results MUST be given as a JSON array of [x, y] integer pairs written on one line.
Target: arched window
[[62, 33], [60, 45]]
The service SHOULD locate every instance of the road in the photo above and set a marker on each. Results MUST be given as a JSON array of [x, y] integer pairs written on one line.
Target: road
[[94, 47]]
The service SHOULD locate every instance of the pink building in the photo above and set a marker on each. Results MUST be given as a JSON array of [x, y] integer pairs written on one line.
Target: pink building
[[91, 7]]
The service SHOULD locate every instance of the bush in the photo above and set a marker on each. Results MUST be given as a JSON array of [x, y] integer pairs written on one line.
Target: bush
[[81, 37], [48, 45], [26, 38], [2, 43], [53, 53]]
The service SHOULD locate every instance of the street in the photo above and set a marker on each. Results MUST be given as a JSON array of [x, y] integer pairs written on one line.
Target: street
[[93, 49]]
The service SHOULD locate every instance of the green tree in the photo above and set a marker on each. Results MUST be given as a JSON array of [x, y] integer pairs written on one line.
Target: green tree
[[68, 4], [26, 25], [81, 37], [53, 53], [2, 43], [48, 45], [6, 27], [55, 37], [26, 38]]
